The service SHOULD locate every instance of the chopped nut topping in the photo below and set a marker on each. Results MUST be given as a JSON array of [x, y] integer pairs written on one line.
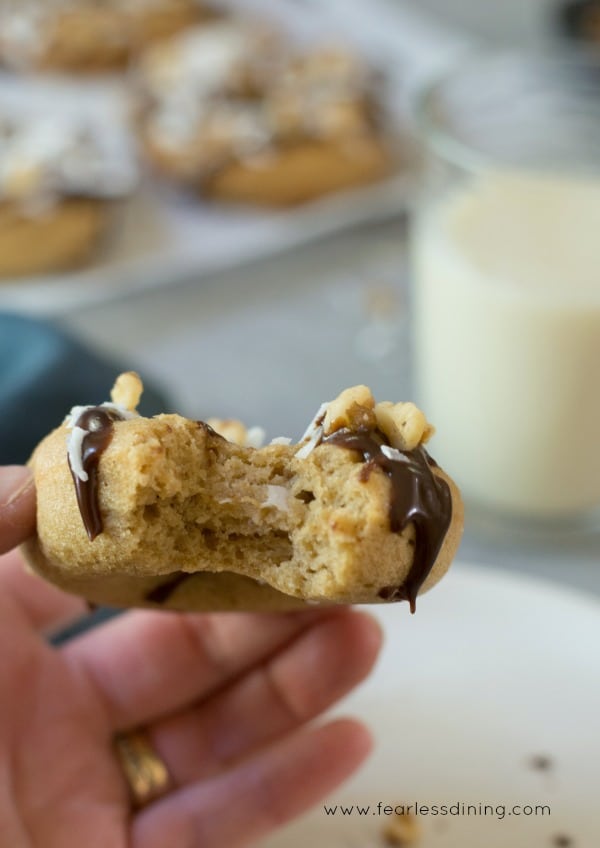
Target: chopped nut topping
[[127, 390], [404, 424], [231, 429], [237, 433], [353, 409]]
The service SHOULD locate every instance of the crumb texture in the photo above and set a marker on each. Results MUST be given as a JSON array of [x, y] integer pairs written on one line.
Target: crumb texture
[[178, 499]]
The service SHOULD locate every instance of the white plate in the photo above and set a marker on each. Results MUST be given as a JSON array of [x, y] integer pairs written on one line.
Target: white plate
[[492, 671], [164, 236]]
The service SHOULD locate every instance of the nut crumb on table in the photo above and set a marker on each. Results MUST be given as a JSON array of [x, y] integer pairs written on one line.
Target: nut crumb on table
[[541, 762], [402, 830]]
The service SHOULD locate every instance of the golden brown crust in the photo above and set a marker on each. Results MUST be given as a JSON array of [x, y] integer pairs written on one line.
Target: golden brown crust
[[302, 172], [285, 176], [203, 592], [63, 236]]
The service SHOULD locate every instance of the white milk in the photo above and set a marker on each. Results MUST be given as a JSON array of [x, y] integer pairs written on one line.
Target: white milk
[[507, 339]]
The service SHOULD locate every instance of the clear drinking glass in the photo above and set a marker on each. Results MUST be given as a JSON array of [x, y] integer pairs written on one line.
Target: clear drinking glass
[[506, 282]]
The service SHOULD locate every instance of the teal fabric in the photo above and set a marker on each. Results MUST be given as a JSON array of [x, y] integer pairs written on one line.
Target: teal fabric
[[43, 373]]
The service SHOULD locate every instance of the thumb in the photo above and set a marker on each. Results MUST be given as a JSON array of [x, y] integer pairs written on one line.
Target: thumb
[[17, 506]]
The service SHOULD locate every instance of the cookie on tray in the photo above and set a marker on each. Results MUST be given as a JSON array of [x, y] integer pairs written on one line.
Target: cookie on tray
[[88, 36], [58, 189], [167, 512], [235, 113]]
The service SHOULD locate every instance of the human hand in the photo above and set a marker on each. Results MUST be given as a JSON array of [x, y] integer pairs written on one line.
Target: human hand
[[224, 700]]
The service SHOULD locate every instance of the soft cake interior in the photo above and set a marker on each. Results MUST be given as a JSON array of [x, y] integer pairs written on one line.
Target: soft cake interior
[[175, 496]]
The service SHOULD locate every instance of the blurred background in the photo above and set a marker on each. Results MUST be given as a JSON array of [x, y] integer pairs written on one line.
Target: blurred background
[[230, 214]]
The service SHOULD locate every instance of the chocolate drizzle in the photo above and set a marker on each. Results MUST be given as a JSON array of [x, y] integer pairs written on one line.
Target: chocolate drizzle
[[418, 496], [163, 591], [97, 421]]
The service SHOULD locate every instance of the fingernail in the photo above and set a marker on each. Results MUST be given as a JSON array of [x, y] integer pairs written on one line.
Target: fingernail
[[14, 481]]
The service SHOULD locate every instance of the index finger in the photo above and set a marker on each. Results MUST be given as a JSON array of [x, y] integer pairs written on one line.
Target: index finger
[[44, 606], [149, 664], [17, 506]]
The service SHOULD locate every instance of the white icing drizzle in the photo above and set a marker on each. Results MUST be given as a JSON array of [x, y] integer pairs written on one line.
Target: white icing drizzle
[[393, 453], [313, 434], [197, 64], [309, 447], [77, 411], [75, 452], [78, 434], [45, 158], [281, 440]]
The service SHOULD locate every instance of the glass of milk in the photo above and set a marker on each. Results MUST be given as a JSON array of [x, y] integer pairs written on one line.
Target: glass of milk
[[506, 283]]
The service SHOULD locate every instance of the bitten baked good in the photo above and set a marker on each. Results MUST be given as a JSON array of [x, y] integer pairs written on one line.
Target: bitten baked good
[[235, 113], [87, 36], [58, 187], [167, 512]]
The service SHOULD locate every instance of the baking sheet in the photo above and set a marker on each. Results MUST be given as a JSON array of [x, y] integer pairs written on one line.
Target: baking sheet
[[162, 236]]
